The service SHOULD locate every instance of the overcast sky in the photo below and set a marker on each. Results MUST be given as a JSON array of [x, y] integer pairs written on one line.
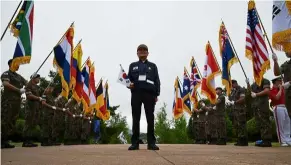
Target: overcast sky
[[111, 31]]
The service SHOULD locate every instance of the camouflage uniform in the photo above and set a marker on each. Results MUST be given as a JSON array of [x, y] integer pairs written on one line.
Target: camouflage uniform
[[10, 104], [286, 70], [195, 125], [59, 122], [47, 120], [201, 134], [86, 129], [220, 119], [72, 129], [261, 108], [31, 109], [211, 125], [239, 113]]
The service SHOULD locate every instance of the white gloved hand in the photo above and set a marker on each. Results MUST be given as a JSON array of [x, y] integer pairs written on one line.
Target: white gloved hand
[[214, 108], [94, 113], [81, 115], [88, 118], [202, 104], [253, 95], [90, 121], [206, 113], [74, 116], [286, 85], [22, 90], [40, 99], [64, 109], [274, 57], [54, 108], [231, 103], [58, 98]]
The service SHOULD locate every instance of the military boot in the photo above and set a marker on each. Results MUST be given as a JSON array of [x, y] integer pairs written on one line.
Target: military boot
[[28, 144], [134, 147], [46, 142], [153, 147], [6, 144], [221, 141], [213, 141]]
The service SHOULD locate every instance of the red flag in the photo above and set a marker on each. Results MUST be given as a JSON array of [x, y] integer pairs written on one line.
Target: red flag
[[211, 69]]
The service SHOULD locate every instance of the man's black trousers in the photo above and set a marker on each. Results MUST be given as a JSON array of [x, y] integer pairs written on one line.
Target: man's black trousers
[[148, 100]]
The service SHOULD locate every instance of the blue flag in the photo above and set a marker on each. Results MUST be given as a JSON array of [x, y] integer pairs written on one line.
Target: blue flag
[[228, 57]]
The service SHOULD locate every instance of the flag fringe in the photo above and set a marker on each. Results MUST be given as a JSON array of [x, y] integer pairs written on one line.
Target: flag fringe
[[282, 40], [288, 6], [19, 60], [225, 82], [265, 67], [211, 89]]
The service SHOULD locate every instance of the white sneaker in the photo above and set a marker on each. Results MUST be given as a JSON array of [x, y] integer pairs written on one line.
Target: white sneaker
[[284, 145]]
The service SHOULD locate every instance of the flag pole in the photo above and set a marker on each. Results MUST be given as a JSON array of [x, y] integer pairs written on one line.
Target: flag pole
[[10, 20], [236, 53], [53, 50], [265, 33]]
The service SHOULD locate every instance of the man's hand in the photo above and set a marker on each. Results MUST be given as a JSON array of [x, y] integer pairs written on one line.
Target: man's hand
[[131, 85], [202, 104], [286, 85], [156, 99], [274, 57], [214, 108], [253, 95]]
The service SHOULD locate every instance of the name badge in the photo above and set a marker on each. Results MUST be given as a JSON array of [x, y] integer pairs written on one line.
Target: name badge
[[142, 78]]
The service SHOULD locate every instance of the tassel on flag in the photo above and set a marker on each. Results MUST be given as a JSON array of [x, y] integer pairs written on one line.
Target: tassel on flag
[[281, 39]]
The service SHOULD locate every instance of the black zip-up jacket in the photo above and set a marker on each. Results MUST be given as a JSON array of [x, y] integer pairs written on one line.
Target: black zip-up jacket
[[152, 82]]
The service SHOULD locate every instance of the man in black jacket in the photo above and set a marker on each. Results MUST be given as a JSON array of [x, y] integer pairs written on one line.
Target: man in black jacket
[[145, 88]]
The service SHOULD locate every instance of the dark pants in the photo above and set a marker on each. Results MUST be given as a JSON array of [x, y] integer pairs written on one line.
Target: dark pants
[[148, 100]]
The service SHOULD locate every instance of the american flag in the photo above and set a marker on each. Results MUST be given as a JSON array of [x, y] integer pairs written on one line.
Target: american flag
[[195, 81], [256, 49]]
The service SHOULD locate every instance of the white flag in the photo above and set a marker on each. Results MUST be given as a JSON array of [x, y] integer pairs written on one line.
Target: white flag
[[281, 39], [122, 138], [122, 77]]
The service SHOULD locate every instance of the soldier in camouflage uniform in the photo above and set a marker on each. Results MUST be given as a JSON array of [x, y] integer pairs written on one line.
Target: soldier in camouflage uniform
[[220, 117], [195, 126], [47, 117], [201, 133], [260, 105], [58, 129], [285, 69], [10, 103], [211, 124], [34, 101], [237, 102], [72, 128], [86, 129]]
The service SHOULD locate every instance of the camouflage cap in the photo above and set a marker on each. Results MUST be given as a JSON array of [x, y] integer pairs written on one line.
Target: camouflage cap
[[34, 76], [218, 88], [10, 61], [276, 79]]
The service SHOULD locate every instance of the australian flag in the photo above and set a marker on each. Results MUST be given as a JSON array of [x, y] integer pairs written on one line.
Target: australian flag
[[186, 93]]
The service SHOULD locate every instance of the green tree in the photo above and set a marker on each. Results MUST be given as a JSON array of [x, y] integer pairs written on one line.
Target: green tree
[[162, 126], [179, 131]]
